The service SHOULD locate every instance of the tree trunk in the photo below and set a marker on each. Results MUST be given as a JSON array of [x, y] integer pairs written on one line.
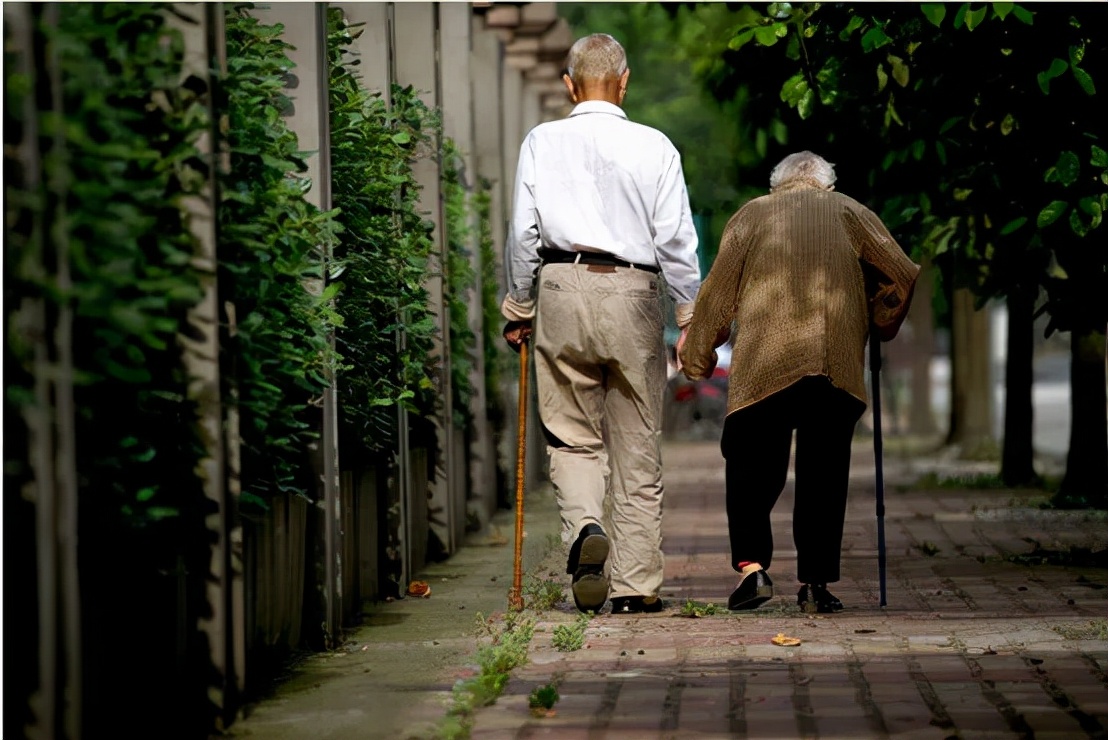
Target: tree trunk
[[1016, 465], [971, 426], [1086, 479], [921, 417]]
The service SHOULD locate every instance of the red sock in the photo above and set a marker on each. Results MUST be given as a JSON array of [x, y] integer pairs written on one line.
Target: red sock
[[745, 563]]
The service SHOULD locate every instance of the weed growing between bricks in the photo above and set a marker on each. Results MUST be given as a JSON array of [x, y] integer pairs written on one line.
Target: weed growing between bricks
[[542, 595], [570, 637], [699, 609], [506, 651], [1094, 629]]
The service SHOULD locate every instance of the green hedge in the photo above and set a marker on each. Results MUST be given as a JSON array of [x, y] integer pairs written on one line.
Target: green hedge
[[384, 251], [271, 244]]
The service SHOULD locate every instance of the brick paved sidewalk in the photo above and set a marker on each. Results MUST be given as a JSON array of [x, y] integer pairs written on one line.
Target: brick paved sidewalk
[[971, 645]]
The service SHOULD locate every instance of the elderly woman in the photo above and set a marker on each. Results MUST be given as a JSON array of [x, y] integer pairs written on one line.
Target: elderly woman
[[803, 273]]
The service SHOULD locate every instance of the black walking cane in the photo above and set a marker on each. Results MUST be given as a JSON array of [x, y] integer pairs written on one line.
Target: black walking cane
[[875, 374]]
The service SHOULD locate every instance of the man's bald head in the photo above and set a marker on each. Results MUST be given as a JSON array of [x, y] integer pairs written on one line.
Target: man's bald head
[[595, 58]]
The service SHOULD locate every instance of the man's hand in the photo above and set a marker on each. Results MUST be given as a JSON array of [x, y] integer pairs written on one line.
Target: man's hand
[[677, 349], [516, 333]]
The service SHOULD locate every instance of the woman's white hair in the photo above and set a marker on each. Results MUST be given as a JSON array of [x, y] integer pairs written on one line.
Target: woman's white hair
[[803, 166], [595, 57]]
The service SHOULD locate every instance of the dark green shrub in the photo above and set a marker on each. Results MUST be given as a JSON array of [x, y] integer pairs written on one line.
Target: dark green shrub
[[384, 251], [458, 227], [271, 240]]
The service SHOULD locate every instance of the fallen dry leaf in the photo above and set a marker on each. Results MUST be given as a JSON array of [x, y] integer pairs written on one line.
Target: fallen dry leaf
[[419, 588], [782, 639]]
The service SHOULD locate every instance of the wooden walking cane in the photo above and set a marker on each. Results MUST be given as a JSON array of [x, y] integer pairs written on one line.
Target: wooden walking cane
[[515, 596], [875, 374]]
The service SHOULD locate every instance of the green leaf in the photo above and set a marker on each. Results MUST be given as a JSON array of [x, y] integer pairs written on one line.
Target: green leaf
[[1092, 206], [960, 15], [794, 89], [1098, 157], [935, 12], [1077, 225], [804, 107], [1007, 125], [1065, 171], [974, 17], [900, 70], [767, 35], [875, 38], [940, 151], [891, 114], [1051, 213], [882, 77], [949, 124], [401, 137], [1057, 67], [1023, 14], [1002, 9], [145, 494], [1013, 225], [1077, 53], [1085, 80], [740, 39], [852, 25]]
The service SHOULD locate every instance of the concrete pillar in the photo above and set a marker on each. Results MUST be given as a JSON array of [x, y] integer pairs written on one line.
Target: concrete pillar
[[478, 477], [374, 45], [305, 28], [416, 28]]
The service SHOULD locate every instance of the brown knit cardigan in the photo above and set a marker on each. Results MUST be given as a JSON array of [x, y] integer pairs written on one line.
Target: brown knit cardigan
[[800, 272]]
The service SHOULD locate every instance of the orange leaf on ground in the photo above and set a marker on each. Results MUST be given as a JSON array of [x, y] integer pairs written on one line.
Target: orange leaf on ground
[[419, 588], [782, 639]]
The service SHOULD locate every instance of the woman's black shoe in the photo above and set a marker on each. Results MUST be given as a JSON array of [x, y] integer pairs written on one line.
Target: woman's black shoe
[[637, 605], [754, 590], [815, 598]]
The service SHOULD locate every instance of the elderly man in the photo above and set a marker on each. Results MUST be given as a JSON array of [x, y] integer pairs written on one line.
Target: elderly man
[[803, 273], [601, 216]]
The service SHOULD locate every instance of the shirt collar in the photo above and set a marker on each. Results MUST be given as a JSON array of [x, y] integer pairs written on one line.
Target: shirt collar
[[597, 106]]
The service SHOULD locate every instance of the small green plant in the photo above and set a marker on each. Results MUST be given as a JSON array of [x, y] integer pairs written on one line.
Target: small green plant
[[698, 609], [496, 661], [543, 697], [930, 549], [571, 637], [1094, 629], [541, 595]]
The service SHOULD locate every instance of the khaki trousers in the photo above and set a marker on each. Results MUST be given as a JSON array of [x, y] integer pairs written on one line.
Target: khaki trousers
[[600, 373]]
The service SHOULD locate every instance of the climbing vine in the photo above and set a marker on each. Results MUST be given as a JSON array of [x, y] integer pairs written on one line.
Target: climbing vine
[[385, 341], [460, 276], [118, 157], [271, 242]]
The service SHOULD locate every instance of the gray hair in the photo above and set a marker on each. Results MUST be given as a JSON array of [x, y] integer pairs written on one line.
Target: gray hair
[[803, 166], [596, 57]]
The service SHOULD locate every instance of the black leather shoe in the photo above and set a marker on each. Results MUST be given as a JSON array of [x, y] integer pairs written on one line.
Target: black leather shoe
[[753, 590], [637, 605], [586, 561], [815, 598]]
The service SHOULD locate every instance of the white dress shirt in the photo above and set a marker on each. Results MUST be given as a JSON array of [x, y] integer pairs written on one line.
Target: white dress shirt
[[600, 182]]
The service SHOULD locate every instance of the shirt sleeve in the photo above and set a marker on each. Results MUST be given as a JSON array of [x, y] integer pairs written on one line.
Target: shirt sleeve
[[521, 258], [890, 274], [675, 239], [717, 302]]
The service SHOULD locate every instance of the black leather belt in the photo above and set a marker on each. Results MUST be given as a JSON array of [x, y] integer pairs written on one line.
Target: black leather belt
[[561, 256]]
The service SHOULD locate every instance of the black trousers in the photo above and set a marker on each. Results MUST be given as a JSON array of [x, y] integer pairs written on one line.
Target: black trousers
[[756, 445]]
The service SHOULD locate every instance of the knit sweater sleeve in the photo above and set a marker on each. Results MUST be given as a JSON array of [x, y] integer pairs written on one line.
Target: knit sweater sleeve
[[716, 302], [891, 275]]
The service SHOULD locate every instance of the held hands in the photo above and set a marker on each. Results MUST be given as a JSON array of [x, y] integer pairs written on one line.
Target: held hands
[[516, 333], [721, 338]]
